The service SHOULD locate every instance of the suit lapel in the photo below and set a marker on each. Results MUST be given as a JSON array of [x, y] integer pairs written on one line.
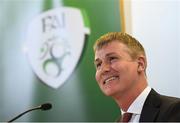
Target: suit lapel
[[151, 107]]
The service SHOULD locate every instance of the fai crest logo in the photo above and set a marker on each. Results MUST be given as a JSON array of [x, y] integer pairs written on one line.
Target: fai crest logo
[[55, 40]]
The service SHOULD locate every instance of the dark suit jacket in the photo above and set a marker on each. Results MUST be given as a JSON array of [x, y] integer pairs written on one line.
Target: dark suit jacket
[[159, 108]]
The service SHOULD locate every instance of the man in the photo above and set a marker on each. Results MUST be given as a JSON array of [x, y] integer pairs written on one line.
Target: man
[[120, 62]]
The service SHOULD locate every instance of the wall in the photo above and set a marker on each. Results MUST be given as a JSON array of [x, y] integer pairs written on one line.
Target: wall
[[156, 24]]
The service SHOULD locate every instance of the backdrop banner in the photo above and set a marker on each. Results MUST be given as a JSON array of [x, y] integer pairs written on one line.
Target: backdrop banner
[[46, 50]]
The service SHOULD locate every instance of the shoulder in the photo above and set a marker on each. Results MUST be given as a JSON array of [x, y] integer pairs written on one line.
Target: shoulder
[[170, 102], [164, 101], [160, 108], [169, 108]]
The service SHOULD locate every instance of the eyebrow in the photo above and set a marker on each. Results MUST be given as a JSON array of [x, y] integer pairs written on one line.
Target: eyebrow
[[109, 54]]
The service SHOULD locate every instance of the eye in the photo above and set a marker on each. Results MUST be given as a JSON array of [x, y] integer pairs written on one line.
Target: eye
[[112, 58], [98, 65]]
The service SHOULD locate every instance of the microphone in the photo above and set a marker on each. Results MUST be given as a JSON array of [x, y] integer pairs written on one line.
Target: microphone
[[43, 107]]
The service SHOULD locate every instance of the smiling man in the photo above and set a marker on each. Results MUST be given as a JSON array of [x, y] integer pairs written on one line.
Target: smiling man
[[120, 62]]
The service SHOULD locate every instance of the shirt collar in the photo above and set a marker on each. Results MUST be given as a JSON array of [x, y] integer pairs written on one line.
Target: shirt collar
[[137, 105]]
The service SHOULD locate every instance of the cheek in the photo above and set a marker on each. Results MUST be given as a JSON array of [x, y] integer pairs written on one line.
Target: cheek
[[97, 76], [123, 68], [116, 66]]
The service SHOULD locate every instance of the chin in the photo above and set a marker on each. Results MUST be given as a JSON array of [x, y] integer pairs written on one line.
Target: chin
[[109, 93]]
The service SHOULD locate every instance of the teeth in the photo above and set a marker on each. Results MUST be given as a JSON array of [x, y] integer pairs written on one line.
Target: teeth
[[110, 79]]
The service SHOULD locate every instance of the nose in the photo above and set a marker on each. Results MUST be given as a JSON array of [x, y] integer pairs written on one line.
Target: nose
[[105, 68]]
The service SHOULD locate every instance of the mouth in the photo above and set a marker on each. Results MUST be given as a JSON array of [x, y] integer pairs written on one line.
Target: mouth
[[108, 80]]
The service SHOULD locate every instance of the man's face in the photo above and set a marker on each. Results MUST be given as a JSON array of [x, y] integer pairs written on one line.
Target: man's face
[[116, 72]]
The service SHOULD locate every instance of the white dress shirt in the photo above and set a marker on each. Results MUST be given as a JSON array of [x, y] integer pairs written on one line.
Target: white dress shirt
[[136, 107]]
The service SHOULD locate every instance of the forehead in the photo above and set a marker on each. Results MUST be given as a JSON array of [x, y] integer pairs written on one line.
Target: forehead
[[111, 48]]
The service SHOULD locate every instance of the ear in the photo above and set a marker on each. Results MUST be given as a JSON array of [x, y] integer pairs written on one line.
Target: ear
[[142, 63]]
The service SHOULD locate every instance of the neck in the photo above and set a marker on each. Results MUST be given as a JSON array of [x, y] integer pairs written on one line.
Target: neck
[[125, 99]]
